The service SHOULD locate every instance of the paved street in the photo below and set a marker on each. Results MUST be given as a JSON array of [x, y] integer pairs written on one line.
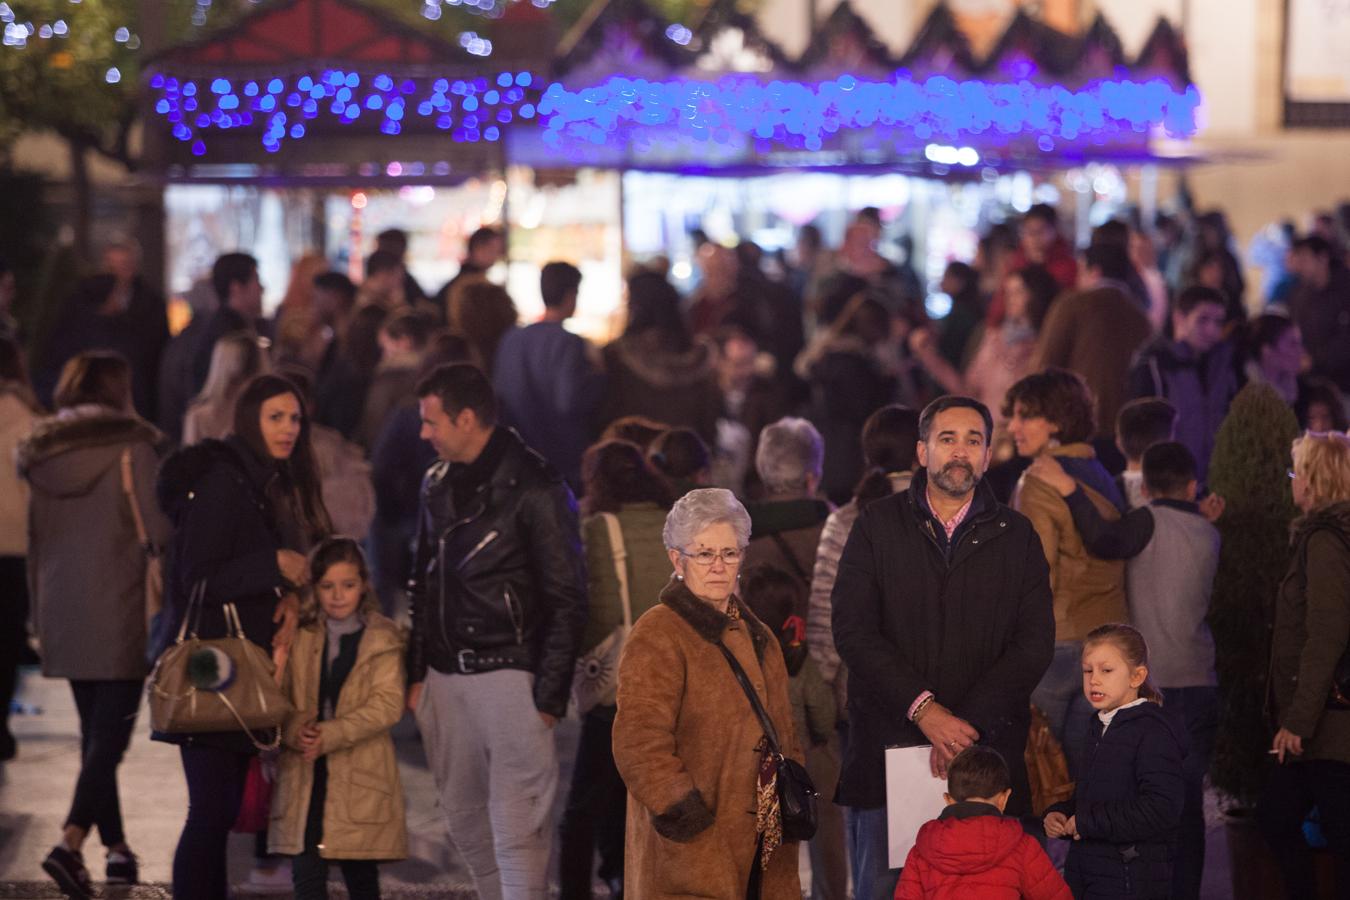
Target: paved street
[[35, 791]]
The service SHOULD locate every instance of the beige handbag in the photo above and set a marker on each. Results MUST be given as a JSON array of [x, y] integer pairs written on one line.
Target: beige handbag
[[596, 680], [226, 684], [154, 566]]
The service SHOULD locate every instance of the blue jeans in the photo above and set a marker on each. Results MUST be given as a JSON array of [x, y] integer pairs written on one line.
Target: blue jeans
[[1060, 697], [1195, 710], [869, 852]]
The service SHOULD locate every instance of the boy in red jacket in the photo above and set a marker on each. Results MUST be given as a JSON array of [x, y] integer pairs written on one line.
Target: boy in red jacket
[[971, 850]]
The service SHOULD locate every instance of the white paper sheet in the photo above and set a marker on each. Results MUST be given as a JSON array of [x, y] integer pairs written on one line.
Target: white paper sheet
[[913, 797]]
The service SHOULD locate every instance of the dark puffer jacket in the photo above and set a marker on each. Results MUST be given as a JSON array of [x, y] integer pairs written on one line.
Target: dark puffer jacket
[[973, 851], [227, 537], [501, 582], [1128, 807]]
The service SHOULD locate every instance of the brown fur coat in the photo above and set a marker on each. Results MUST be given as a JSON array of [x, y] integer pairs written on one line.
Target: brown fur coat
[[684, 742]]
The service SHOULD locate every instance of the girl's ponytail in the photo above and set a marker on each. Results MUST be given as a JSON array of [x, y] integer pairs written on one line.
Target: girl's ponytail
[[1132, 646]]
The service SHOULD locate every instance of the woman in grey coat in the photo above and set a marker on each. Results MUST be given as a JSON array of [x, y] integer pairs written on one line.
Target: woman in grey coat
[[86, 570]]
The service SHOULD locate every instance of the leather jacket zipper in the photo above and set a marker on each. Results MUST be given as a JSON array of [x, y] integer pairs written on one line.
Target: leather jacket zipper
[[440, 566], [477, 548], [517, 616]]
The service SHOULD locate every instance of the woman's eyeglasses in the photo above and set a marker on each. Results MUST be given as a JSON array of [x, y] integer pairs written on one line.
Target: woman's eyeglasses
[[705, 558]]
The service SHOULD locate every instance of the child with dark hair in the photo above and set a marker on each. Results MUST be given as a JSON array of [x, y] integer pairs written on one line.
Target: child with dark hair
[[972, 850], [1141, 424], [774, 596], [1173, 552]]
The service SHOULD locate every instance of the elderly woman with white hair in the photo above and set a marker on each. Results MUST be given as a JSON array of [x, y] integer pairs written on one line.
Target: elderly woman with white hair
[[689, 746]]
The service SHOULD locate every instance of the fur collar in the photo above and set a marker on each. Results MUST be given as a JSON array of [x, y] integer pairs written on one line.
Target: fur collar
[[1333, 517], [648, 359], [92, 427], [708, 622]]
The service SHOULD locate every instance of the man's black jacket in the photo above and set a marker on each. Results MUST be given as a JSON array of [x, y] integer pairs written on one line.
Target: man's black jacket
[[974, 625], [499, 579]]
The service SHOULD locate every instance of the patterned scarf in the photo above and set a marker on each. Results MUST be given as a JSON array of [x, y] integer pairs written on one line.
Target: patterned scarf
[[768, 815]]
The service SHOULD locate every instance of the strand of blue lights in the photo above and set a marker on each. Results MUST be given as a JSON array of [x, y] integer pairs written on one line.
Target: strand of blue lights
[[804, 115], [790, 114], [470, 110]]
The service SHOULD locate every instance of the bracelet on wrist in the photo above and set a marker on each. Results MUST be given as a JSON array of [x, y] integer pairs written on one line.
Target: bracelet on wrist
[[922, 709]]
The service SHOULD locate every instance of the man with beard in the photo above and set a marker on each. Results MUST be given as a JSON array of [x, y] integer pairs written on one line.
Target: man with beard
[[942, 613]]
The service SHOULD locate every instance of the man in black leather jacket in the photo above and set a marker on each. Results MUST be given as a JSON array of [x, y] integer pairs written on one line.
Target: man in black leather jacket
[[498, 603]]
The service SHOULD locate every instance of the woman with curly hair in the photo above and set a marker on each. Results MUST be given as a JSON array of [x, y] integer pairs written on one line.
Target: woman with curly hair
[[1051, 413]]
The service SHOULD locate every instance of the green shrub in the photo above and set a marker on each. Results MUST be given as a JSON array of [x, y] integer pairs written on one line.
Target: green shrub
[[1248, 469]]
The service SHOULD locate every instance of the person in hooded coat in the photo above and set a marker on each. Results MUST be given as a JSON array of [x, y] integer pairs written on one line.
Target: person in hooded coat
[[85, 466]]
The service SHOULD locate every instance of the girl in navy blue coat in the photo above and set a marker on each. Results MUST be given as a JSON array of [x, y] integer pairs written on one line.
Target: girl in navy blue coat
[[1124, 814]]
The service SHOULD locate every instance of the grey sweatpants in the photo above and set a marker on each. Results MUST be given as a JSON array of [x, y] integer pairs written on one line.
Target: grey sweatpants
[[496, 769]]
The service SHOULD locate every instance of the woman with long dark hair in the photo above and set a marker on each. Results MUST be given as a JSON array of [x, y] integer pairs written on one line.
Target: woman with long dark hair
[[625, 499], [246, 510], [91, 468]]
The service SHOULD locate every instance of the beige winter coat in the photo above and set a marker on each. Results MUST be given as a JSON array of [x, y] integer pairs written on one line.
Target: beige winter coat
[[684, 743], [363, 814], [16, 421]]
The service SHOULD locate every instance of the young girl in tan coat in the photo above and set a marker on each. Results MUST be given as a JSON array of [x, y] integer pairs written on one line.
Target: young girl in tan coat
[[338, 795]]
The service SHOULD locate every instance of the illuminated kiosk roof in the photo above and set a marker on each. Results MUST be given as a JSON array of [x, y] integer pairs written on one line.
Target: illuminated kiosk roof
[[333, 91]]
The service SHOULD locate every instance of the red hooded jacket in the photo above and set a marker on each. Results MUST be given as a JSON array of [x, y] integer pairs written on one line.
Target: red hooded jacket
[[970, 851]]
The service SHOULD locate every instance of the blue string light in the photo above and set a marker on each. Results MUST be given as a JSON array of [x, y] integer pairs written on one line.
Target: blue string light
[[804, 115], [781, 114]]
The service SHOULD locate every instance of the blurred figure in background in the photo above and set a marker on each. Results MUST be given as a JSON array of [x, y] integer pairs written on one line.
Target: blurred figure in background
[[547, 380], [235, 361], [394, 241], [403, 343], [656, 368], [116, 310], [19, 410], [483, 312], [486, 248], [847, 381]]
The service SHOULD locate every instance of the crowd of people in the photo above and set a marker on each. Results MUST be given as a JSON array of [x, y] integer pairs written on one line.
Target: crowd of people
[[787, 518]]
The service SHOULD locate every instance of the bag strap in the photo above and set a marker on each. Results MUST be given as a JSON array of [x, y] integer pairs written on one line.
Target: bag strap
[[620, 552], [198, 599], [786, 549], [129, 488], [770, 733]]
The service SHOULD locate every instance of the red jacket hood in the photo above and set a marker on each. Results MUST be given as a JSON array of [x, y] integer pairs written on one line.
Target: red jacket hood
[[968, 846]]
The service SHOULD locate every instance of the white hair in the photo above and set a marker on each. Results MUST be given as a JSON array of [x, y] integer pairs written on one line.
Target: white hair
[[790, 451], [701, 509]]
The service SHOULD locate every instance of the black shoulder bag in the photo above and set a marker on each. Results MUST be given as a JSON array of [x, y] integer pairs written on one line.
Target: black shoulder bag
[[796, 793]]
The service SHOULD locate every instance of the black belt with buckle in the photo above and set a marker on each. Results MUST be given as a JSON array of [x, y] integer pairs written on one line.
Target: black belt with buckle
[[469, 662]]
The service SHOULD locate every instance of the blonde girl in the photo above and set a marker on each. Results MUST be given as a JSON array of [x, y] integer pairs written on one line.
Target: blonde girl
[[1126, 808]]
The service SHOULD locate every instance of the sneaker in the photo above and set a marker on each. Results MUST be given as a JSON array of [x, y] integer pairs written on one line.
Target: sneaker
[[66, 868], [123, 868]]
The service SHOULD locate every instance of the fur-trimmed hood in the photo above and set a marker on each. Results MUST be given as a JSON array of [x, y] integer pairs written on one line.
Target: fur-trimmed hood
[[179, 474], [708, 622], [1333, 517], [68, 453], [649, 359]]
